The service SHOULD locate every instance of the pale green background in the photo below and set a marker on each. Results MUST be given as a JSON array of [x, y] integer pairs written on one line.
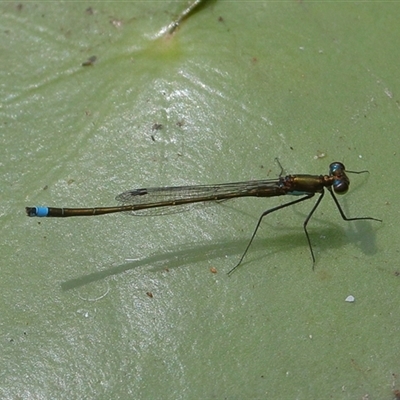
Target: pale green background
[[268, 79]]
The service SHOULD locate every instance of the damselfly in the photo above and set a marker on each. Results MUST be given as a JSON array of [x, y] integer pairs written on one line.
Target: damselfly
[[162, 200]]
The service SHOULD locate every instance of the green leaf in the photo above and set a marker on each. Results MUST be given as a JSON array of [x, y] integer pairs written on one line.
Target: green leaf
[[217, 99]]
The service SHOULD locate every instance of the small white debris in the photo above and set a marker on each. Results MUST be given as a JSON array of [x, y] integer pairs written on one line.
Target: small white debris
[[319, 154], [350, 299], [389, 93]]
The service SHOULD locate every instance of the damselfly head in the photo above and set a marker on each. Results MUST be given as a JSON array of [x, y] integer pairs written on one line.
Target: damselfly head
[[341, 182]]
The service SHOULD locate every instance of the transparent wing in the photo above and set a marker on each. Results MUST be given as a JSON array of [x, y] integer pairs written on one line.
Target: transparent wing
[[167, 200]]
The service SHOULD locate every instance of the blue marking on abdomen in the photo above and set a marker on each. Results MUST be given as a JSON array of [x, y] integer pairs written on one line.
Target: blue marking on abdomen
[[42, 211]]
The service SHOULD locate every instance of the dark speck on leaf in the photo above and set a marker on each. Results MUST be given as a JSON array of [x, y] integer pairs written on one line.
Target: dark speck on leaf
[[156, 127], [90, 61]]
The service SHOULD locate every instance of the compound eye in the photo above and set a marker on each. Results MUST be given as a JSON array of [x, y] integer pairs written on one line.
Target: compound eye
[[336, 168], [340, 186]]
